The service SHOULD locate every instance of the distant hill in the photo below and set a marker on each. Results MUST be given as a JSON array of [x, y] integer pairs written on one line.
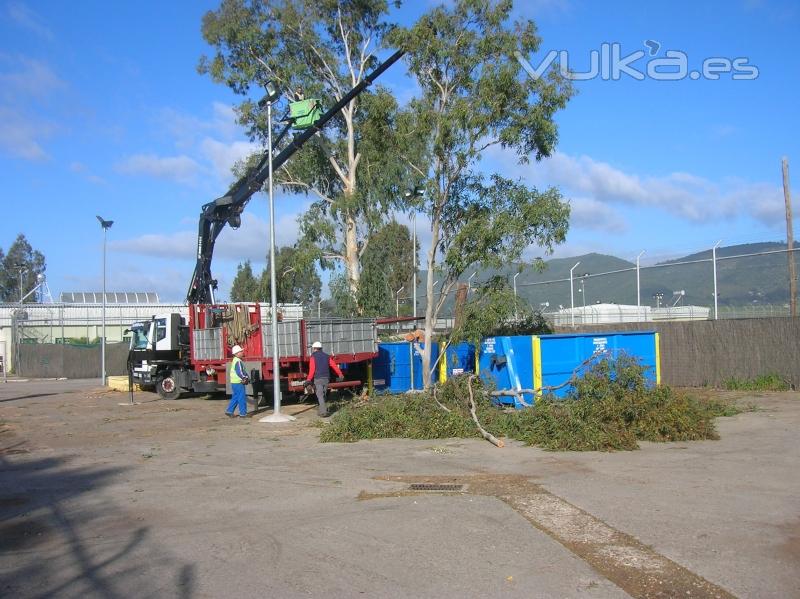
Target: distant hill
[[740, 281]]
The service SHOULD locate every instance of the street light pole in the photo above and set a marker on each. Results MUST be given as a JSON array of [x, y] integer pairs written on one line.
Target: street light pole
[[397, 300], [414, 258], [714, 258], [572, 293], [106, 225], [638, 287], [584, 276], [516, 315], [276, 415]]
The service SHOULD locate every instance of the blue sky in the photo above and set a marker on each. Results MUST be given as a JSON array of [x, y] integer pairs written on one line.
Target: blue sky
[[102, 112]]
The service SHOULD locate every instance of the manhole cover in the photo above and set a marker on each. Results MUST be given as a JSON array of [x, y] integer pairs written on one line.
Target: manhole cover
[[435, 487]]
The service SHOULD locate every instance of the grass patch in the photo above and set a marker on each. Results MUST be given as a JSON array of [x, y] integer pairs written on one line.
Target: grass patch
[[764, 382], [611, 408]]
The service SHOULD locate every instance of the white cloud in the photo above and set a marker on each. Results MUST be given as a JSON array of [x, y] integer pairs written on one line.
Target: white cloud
[[24, 17], [249, 242], [589, 213], [206, 149], [182, 169], [187, 128], [223, 156], [20, 134], [684, 195], [25, 84]]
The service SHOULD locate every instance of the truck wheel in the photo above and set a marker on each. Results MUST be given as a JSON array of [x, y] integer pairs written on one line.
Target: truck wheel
[[168, 389]]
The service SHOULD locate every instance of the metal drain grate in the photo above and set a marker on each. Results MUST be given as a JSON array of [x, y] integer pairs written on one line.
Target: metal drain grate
[[435, 487]]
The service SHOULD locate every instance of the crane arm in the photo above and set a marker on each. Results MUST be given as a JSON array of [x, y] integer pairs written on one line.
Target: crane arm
[[228, 208]]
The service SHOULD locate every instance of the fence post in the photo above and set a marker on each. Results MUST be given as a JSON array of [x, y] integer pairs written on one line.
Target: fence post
[[714, 258]]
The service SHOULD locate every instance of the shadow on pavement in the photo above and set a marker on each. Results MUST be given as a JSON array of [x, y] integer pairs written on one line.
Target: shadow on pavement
[[61, 537]]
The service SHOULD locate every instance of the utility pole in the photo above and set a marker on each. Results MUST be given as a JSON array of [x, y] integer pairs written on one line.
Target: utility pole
[[787, 198]]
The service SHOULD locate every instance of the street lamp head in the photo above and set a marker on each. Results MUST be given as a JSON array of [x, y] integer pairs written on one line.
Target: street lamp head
[[416, 191], [272, 94], [106, 224]]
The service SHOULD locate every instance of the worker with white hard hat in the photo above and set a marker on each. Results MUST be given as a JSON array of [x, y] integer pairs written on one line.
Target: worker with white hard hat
[[238, 379], [319, 371]]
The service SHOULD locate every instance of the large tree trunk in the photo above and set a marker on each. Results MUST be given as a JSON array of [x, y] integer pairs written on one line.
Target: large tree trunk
[[352, 262], [430, 302]]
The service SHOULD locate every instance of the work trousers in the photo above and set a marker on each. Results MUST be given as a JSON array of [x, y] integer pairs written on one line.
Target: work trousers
[[321, 388], [239, 398]]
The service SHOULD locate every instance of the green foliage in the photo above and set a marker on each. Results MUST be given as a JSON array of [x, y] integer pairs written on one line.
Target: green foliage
[[763, 382], [296, 277], [344, 304], [611, 408], [245, 287], [374, 293], [319, 49], [495, 310], [474, 96], [387, 266], [390, 251], [20, 256]]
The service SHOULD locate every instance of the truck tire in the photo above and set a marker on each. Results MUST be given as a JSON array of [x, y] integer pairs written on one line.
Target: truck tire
[[168, 389]]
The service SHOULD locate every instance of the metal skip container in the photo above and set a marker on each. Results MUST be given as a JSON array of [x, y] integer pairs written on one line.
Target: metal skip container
[[392, 368], [457, 359], [537, 361]]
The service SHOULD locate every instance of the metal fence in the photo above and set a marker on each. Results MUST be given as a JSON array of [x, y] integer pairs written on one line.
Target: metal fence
[[712, 284]]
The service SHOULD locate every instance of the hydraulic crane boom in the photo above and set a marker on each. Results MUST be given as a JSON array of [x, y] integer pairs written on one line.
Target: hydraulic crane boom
[[228, 209]]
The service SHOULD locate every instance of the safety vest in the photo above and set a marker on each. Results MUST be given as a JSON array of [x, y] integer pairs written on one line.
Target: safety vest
[[234, 377]]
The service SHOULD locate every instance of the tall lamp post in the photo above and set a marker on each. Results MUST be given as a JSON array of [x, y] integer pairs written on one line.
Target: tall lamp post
[[516, 316], [276, 416], [106, 225], [584, 276], [416, 192], [638, 286], [572, 293], [469, 282], [397, 300]]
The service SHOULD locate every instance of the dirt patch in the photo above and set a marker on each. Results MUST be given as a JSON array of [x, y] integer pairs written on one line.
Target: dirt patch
[[633, 566]]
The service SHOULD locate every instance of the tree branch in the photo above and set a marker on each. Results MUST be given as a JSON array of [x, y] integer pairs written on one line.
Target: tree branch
[[346, 46], [484, 433], [413, 166]]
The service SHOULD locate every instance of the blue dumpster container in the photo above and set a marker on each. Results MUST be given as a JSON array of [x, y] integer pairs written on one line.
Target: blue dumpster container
[[533, 362], [508, 363], [457, 359], [561, 354], [393, 367], [417, 366]]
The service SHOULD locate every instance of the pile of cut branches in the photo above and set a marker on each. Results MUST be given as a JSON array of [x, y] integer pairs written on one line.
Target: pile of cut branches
[[610, 407]]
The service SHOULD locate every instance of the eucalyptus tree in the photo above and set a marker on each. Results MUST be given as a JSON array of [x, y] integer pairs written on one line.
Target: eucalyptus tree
[[319, 49], [474, 96]]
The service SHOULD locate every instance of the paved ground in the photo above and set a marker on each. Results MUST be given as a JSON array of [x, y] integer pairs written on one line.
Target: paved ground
[[170, 499]]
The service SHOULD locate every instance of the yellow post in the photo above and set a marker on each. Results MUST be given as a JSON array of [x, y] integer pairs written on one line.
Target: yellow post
[[658, 360], [443, 365], [537, 364], [370, 386]]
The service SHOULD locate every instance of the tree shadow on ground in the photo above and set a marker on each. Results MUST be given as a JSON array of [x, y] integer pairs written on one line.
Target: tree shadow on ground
[[60, 536]]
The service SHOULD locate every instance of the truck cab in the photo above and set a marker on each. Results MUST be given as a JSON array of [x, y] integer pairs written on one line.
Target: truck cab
[[158, 351]]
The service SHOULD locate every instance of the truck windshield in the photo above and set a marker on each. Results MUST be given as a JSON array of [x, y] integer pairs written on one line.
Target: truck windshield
[[138, 336]]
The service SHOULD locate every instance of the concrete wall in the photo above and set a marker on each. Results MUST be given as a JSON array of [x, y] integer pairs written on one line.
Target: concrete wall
[[43, 360], [695, 354]]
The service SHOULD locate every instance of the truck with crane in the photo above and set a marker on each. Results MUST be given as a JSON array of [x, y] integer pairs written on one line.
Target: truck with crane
[[173, 355]]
